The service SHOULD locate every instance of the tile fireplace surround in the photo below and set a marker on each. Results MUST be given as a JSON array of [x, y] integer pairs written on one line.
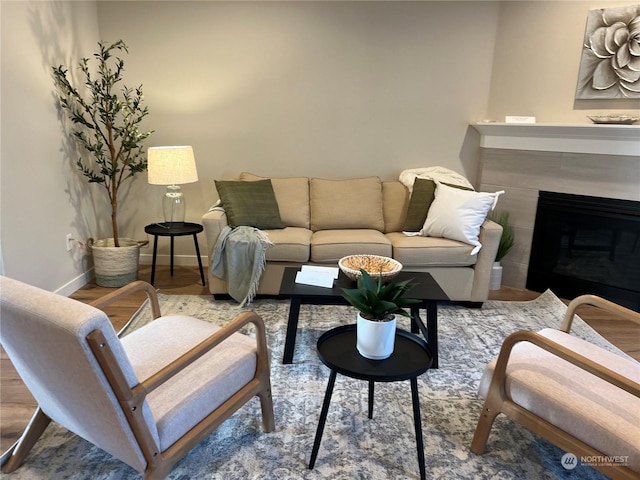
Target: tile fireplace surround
[[595, 160]]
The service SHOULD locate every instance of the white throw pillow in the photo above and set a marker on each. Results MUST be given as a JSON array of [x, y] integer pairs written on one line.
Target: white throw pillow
[[458, 214]]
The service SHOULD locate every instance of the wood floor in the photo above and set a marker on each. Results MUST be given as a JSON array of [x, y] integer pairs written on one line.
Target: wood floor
[[17, 405]]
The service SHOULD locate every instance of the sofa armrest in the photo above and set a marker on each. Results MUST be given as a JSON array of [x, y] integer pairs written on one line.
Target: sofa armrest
[[213, 222], [490, 233]]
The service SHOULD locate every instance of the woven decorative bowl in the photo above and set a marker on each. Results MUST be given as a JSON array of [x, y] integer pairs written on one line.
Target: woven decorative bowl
[[374, 265]]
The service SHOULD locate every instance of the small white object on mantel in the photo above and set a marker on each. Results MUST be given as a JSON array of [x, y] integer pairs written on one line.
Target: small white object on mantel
[[519, 119]]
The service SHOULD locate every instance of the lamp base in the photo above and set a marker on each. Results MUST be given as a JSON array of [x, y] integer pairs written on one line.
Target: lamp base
[[173, 205]]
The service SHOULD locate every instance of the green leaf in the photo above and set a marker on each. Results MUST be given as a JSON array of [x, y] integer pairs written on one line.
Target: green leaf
[[376, 300], [105, 118], [507, 238]]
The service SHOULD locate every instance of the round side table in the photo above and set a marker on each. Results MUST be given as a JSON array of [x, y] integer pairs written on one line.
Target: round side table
[[172, 230], [411, 357]]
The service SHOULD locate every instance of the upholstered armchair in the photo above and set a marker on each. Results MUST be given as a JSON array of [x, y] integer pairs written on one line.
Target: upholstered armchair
[[580, 397], [148, 398]]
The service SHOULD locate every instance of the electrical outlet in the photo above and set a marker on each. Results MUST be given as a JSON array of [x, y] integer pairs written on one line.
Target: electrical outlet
[[69, 239]]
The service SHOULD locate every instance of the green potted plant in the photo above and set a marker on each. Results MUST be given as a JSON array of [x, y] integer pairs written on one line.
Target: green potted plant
[[105, 118], [378, 304], [507, 239]]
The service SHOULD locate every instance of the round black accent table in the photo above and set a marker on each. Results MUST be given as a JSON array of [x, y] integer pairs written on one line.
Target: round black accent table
[[411, 357], [172, 230]]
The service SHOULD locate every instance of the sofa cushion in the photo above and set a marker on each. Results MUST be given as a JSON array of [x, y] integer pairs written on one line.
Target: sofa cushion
[[349, 203], [249, 204], [290, 244], [329, 246], [587, 407], [458, 214], [395, 198], [418, 251], [292, 195], [422, 196]]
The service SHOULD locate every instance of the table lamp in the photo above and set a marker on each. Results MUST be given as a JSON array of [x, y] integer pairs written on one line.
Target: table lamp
[[172, 166]]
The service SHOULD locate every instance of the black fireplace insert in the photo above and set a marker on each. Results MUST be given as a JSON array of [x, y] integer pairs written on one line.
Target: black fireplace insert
[[584, 244]]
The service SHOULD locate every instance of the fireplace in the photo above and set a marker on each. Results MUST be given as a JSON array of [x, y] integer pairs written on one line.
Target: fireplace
[[578, 159], [584, 244]]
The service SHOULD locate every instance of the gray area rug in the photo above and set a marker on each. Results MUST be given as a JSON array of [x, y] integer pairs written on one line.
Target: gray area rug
[[353, 447]]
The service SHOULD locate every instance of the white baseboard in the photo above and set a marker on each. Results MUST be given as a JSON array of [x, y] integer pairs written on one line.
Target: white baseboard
[[145, 259], [188, 260], [75, 284]]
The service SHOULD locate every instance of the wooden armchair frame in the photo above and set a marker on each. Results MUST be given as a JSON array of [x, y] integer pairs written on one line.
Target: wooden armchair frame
[[160, 463], [498, 401]]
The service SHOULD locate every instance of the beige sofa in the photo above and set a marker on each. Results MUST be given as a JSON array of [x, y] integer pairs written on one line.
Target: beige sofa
[[327, 219]]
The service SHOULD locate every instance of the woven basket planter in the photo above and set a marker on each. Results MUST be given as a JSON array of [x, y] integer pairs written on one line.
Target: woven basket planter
[[115, 266]]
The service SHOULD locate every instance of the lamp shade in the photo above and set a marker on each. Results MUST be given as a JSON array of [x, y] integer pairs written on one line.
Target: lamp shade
[[171, 165]]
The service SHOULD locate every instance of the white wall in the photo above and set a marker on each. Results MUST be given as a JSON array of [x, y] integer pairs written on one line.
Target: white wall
[[41, 199], [332, 89], [537, 59]]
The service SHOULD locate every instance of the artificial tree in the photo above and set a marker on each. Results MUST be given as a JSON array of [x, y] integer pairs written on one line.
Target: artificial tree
[[106, 117]]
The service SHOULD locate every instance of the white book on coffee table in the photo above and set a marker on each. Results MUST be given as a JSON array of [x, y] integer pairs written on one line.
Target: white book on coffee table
[[317, 276]]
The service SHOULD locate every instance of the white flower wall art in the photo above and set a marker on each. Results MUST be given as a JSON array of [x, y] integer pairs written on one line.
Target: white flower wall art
[[610, 65]]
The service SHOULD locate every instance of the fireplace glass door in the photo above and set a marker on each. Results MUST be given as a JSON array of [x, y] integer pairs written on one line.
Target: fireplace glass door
[[585, 244]]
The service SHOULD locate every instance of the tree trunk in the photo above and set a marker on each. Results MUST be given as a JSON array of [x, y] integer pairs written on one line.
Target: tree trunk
[[114, 222]]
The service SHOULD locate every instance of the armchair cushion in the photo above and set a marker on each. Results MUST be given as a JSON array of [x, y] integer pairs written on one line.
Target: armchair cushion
[[572, 399], [203, 386]]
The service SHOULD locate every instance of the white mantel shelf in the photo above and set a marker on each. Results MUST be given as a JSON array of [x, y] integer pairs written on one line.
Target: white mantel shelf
[[551, 137]]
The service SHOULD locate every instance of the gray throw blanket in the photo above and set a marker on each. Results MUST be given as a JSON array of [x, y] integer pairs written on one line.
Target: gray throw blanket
[[239, 258]]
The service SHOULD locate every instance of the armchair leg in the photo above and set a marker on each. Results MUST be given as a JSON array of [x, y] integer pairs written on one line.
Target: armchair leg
[[37, 425], [158, 471], [485, 422], [266, 404]]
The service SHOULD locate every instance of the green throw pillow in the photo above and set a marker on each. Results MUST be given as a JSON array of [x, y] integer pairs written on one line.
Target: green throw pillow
[[422, 196], [250, 203]]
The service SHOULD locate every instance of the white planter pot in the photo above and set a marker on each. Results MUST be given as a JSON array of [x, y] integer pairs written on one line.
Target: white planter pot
[[496, 276], [375, 340], [115, 266]]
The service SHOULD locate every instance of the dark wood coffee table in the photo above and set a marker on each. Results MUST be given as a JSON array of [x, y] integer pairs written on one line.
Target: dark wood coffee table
[[425, 289]]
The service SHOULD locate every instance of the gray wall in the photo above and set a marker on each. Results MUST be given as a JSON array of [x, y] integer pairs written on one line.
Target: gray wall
[[41, 197], [537, 59], [333, 89]]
